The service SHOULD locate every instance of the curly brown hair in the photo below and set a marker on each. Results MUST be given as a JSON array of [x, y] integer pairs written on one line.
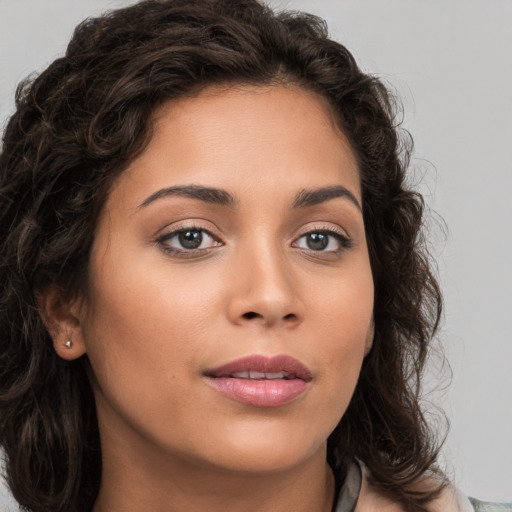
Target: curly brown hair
[[79, 124]]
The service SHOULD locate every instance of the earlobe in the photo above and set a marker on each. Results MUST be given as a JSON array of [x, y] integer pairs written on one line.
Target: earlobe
[[61, 317], [369, 338]]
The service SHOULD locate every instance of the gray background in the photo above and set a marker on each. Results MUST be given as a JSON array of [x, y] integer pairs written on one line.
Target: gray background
[[450, 61]]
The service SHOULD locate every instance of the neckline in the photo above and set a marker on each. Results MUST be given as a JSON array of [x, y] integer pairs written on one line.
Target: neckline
[[350, 489]]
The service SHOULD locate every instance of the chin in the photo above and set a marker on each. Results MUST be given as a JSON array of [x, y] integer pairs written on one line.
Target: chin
[[267, 451], [263, 462]]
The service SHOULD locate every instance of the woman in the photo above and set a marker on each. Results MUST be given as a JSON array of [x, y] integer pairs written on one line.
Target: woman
[[216, 294]]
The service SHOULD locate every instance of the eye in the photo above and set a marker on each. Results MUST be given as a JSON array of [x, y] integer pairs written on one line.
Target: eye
[[323, 241], [187, 240]]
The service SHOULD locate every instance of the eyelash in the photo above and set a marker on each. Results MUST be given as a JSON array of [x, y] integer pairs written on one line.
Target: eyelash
[[343, 240], [163, 241]]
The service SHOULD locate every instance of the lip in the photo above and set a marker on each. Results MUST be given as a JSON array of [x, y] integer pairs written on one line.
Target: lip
[[260, 391]]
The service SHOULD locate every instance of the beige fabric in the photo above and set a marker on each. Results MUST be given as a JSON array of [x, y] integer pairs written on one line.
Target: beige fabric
[[482, 506], [371, 500]]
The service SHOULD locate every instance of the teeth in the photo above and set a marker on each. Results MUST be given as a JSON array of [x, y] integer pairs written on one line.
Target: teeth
[[277, 375], [241, 375], [261, 375]]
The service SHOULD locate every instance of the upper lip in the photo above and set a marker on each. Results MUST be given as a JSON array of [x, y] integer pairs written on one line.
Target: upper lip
[[291, 367]]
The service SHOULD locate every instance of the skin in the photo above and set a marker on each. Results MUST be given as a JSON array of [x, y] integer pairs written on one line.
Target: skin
[[158, 315]]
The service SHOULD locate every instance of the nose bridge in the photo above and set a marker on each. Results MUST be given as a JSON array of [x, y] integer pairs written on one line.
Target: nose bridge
[[264, 289]]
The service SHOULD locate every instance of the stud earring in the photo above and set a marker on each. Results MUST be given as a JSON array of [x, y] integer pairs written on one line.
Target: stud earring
[[68, 344]]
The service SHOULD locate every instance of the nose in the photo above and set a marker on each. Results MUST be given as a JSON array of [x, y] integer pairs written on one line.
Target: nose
[[264, 290]]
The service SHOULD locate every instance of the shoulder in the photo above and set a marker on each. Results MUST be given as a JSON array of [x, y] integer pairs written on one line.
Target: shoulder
[[372, 499], [450, 499], [484, 506]]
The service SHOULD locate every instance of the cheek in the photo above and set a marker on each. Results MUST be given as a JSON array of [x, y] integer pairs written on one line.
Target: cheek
[[145, 300], [343, 314], [344, 307], [148, 321], [141, 345]]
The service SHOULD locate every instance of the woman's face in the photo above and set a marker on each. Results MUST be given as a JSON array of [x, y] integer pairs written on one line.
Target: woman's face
[[231, 293]]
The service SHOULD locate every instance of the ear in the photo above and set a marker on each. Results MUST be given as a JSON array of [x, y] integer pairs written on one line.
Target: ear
[[61, 316], [369, 338]]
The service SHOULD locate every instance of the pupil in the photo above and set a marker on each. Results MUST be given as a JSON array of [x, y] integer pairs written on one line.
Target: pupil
[[190, 239], [317, 241]]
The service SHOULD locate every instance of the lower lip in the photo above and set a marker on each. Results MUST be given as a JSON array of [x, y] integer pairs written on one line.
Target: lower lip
[[260, 393]]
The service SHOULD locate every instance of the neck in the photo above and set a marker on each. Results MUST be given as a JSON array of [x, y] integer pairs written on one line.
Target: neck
[[177, 486]]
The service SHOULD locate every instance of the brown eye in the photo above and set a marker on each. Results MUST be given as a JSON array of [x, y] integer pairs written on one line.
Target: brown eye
[[187, 240], [323, 241], [190, 239], [317, 241]]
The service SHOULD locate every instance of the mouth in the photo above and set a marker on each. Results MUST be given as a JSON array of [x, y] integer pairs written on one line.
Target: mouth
[[262, 375], [261, 381]]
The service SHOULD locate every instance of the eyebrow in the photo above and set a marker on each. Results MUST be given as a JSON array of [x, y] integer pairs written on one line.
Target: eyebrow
[[303, 199], [313, 197], [207, 194]]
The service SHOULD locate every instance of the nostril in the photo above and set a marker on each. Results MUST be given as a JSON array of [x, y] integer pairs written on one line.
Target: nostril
[[250, 315]]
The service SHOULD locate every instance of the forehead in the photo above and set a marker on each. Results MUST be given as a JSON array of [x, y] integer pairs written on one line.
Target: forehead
[[238, 136]]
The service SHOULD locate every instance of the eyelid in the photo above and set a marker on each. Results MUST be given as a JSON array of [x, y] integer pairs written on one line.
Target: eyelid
[[175, 229], [341, 235], [322, 227], [189, 223]]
